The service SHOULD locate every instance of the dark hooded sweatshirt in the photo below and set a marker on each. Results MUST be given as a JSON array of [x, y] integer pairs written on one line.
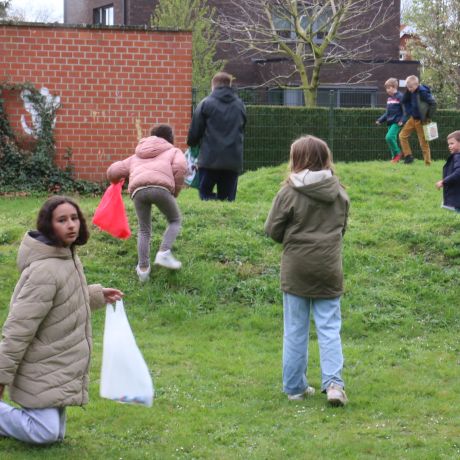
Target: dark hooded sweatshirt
[[218, 129], [310, 220]]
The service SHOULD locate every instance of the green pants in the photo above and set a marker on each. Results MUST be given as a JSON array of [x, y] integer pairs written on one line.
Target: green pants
[[392, 139]]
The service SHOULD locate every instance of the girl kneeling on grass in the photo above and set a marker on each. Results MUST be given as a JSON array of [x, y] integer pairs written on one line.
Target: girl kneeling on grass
[[46, 346], [309, 217]]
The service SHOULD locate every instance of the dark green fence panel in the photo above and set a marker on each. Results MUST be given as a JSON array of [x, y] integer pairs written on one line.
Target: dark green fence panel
[[270, 131], [351, 133]]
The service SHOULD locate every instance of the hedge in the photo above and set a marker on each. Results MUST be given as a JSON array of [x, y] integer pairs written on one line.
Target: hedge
[[351, 133]]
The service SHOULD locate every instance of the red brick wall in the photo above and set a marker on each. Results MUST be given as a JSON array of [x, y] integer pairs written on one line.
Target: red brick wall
[[111, 83]]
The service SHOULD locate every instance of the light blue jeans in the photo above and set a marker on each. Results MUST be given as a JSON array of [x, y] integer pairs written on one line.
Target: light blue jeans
[[327, 317], [35, 426]]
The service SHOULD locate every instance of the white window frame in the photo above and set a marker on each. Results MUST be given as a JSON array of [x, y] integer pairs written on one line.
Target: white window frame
[[104, 15]]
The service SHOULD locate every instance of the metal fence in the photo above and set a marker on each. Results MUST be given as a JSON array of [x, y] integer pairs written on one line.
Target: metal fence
[[293, 97], [346, 120], [351, 134]]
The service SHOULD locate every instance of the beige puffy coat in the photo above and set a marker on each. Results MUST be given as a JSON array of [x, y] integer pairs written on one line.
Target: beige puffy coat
[[155, 162], [46, 346]]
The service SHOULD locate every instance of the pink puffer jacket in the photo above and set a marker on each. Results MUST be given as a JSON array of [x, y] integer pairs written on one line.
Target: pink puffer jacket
[[155, 162]]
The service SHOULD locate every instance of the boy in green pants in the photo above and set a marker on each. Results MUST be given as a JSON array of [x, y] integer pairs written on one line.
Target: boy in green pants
[[393, 116]]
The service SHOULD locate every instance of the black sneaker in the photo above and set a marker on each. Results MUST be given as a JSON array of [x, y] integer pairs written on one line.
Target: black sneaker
[[409, 159]]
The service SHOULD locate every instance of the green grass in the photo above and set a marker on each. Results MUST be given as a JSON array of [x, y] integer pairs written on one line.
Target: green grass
[[212, 333]]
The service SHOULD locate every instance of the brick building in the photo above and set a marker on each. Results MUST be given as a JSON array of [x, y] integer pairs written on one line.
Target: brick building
[[407, 36], [113, 84], [249, 72]]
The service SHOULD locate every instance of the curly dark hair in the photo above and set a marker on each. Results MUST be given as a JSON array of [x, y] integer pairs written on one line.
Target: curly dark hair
[[45, 220]]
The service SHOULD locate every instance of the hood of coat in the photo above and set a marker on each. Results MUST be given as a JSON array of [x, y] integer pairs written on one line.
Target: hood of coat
[[225, 94], [317, 185], [35, 246], [424, 88], [150, 147]]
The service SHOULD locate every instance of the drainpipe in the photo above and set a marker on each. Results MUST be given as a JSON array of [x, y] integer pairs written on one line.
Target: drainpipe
[[124, 12]]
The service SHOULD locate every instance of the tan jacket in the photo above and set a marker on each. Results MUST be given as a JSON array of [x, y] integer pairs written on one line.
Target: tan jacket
[[155, 162], [46, 346], [309, 219]]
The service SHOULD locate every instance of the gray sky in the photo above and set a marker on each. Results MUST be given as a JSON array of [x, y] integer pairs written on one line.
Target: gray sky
[[405, 3], [51, 10]]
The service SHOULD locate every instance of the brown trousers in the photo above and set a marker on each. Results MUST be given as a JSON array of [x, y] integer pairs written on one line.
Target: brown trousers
[[417, 126]]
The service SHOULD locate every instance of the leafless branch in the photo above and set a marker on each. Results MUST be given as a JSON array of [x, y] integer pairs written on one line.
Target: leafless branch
[[309, 33]]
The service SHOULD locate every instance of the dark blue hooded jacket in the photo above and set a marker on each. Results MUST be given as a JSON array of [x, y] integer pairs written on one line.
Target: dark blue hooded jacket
[[451, 181], [420, 104]]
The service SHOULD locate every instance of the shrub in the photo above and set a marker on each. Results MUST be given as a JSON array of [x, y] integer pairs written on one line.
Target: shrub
[[35, 170], [350, 132]]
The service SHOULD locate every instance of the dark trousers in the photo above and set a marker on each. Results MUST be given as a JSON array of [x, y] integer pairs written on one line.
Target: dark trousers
[[226, 182]]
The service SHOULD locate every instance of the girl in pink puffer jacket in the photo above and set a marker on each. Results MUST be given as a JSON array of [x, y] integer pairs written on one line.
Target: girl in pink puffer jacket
[[156, 175]]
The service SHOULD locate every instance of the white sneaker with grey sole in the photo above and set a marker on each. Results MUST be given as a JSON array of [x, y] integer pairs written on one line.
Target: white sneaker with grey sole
[[143, 275], [309, 391], [167, 260], [336, 395]]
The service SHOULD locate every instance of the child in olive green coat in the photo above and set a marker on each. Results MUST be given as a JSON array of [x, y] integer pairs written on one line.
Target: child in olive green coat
[[309, 216]]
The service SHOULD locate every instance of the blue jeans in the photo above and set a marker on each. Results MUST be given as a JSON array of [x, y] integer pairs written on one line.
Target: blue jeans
[[326, 313]]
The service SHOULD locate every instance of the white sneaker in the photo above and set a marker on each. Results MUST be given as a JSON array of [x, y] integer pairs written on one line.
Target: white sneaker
[[143, 275], [309, 391], [167, 260], [336, 395]]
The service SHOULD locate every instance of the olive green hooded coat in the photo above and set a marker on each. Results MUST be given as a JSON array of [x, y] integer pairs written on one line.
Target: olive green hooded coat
[[309, 219]]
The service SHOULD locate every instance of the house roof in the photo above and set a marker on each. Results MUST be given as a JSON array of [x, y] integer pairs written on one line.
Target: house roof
[[406, 30]]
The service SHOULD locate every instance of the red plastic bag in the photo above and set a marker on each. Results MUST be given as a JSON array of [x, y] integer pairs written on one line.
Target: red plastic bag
[[110, 215]]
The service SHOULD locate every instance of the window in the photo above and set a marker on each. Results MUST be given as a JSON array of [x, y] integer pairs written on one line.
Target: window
[[284, 27], [103, 15], [347, 96], [275, 96], [293, 97], [317, 21]]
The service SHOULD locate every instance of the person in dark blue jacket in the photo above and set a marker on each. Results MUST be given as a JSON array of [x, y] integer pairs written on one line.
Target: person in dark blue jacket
[[450, 182], [419, 107], [394, 118], [218, 129]]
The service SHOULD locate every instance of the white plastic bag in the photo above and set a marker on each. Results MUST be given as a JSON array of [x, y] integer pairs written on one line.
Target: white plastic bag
[[125, 376], [430, 130], [191, 176]]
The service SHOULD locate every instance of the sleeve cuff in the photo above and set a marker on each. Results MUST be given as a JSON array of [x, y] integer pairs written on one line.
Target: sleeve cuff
[[96, 297]]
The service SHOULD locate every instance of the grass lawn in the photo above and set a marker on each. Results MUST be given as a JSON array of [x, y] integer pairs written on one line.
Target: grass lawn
[[212, 332]]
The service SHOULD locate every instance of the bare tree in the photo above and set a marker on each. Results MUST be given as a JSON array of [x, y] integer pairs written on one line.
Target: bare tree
[[4, 5], [308, 34], [32, 14], [195, 15], [438, 46]]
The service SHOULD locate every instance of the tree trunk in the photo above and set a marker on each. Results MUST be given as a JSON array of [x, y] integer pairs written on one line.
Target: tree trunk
[[309, 95]]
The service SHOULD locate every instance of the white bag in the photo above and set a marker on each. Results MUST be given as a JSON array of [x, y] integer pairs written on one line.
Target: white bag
[[430, 130], [125, 376], [191, 176]]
